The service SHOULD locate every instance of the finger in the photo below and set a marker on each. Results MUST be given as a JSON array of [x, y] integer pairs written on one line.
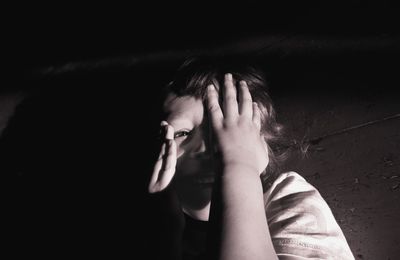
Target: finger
[[256, 115], [169, 159], [164, 123], [163, 130], [169, 164], [162, 151], [245, 100], [230, 104], [213, 107], [157, 170], [169, 133], [164, 169]]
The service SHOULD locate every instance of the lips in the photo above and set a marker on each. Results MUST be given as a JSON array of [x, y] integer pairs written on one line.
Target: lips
[[200, 180], [204, 180]]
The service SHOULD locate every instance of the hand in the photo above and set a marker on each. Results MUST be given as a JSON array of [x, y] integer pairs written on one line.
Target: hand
[[164, 168], [169, 229], [237, 126]]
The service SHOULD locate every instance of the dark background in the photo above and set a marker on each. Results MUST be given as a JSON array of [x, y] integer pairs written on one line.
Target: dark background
[[79, 114]]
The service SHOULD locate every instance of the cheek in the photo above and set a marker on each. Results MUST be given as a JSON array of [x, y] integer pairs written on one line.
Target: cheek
[[187, 159], [184, 165], [180, 151], [187, 166], [180, 146], [189, 144]]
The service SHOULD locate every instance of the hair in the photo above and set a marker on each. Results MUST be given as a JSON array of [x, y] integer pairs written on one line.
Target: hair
[[196, 73]]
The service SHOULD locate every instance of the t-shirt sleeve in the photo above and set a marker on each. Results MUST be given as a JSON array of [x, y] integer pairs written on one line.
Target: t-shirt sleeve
[[301, 223]]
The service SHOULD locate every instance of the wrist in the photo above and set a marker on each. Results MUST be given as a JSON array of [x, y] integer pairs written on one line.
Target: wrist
[[258, 161], [239, 182], [238, 168]]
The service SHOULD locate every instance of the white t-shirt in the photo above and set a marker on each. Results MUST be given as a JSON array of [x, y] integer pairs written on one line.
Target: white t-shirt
[[301, 223]]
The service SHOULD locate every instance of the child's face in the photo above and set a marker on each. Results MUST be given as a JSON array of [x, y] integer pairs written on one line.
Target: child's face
[[195, 168]]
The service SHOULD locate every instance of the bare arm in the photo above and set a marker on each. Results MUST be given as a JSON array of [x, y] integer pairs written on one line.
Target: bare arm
[[245, 233], [237, 204]]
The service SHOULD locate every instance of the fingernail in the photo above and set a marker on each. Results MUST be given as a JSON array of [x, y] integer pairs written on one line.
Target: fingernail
[[170, 133], [228, 76], [210, 87], [164, 123]]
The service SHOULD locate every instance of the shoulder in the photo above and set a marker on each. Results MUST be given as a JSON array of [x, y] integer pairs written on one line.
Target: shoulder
[[301, 222], [291, 197], [288, 183]]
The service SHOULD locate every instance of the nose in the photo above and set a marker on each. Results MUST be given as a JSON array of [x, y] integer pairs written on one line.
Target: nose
[[201, 151]]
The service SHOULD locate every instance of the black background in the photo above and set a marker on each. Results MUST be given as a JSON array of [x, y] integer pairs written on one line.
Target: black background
[[42, 35]]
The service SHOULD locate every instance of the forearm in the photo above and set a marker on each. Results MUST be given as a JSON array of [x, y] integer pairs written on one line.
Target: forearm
[[245, 233]]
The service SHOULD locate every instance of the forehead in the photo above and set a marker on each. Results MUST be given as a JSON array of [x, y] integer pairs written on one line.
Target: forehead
[[184, 107]]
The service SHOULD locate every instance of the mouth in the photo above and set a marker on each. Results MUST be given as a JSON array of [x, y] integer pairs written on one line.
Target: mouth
[[204, 180]]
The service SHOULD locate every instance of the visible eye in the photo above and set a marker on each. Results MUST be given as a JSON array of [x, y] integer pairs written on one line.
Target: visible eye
[[182, 133]]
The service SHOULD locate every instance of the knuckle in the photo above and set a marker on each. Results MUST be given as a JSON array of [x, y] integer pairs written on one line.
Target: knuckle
[[213, 107], [230, 98], [212, 95], [247, 100]]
